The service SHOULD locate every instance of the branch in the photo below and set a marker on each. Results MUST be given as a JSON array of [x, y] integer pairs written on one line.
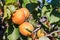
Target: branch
[[35, 30], [52, 33]]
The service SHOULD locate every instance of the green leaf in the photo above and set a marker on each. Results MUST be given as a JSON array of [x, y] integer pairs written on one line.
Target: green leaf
[[12, 8], [31, 6], [44, 38], [1, 4], [25, 2], [33, 22], [5, 14], [54, 19], [58, 9], [21, 38], [8, 13], [34, 1], [48, 13], [44, 9], [10, 1], [14, 35], [29, 38]]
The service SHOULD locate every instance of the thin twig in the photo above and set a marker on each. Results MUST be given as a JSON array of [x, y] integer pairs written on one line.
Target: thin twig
[[34, 33], [36, 30], [52, 33]]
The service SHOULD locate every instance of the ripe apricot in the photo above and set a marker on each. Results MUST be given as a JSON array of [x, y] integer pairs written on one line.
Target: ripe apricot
[[18, 17], [26, 12], [26, 28]]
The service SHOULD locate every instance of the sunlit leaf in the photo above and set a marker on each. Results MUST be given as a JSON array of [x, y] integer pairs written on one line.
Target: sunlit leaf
[[35, 1], [44, 9], [12, 8], [44, 38], [54, 19], [33, 22], [29, 38], [49, 13], [14, 35], [5, 14], [10, 1], [25, 2], [8, 13], [58, 10]]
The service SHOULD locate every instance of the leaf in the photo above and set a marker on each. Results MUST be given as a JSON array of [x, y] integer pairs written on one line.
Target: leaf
[[31, 6], [34, 1], [29, 38], [5, 14], [25, 2], [21, 38], [54, 19], [8, 13], [58, 9], [33, 22], [1, 4], [10, 1], [55, 3], [44, 9], [12, 8], [14, 35], [44, 38], [48, 13]]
